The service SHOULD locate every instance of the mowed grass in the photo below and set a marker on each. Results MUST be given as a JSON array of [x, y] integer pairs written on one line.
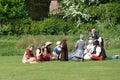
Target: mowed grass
[[11, 68]]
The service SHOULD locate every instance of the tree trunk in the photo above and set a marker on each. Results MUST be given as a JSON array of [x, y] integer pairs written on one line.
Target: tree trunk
[[37, 9]]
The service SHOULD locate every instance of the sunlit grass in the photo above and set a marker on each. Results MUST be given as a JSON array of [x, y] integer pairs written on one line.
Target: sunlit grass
[[11, 68]]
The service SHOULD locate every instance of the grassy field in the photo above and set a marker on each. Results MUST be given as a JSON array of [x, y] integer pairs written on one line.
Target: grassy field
[[16, 45], [11, 68]]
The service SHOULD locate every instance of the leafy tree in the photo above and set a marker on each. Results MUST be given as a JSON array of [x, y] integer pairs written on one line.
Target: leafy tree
[[12, 15], [75, 9], [83, 11], [11, 10], [105, 12]]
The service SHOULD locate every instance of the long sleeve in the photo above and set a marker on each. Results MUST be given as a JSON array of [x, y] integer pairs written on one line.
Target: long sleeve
[[37, 52], [28, 53], [98, 51]]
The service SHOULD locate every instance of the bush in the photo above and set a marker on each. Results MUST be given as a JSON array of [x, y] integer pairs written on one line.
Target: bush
[[105, 12], [55, 26], [6, 30], [109, 34]]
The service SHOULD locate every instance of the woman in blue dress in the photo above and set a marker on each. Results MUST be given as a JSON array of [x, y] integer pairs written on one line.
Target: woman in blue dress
[[80, 47]]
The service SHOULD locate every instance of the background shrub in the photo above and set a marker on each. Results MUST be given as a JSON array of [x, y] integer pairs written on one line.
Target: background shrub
[[6, 30], [56, 26]]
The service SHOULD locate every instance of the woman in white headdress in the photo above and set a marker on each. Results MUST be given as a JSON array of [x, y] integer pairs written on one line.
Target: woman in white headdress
[[57, 49], [88, 50]]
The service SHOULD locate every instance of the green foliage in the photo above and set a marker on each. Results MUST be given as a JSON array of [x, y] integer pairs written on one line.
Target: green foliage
[[111, 13], [6, 30], [26, 40], [95, 2], [55, 26], [77, 17], [16, 45], [13, 15], [18, 27], [105, 12], [75, 10], [12, 9], [109, 34], [25, 25], [105, 30], [50, 26], [84, 11]]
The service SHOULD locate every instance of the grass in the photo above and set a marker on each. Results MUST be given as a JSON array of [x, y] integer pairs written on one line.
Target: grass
[[8, 48], [16, 45], [111, 52], [11, 68]]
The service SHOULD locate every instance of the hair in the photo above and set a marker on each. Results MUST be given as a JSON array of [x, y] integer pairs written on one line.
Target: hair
[[96, 42], [64, 40], [91, 28], [40, 45], [31, 45], [81, 36]]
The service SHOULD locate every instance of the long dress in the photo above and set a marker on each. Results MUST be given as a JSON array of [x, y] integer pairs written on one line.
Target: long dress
[[64, 52], [80, 45]]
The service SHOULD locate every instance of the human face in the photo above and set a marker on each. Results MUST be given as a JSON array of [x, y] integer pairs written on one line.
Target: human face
[[31, 48], [93, 31]]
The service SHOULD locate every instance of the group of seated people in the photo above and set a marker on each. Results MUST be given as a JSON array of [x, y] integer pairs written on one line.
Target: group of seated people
[[44, 52], [93, 51]]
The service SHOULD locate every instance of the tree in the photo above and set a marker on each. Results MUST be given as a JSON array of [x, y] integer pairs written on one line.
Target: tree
[[83, 11], [75, 10], [11, 10], [38, 9]]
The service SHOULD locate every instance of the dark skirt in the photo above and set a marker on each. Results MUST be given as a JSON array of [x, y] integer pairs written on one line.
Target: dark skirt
[[64, 56]]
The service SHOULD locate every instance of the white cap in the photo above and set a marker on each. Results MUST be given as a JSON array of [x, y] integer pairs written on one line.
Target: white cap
[[90, 41], [58, 42]]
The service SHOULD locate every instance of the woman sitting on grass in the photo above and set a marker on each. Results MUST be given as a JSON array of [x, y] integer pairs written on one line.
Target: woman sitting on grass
[[80, 46], [98, 52], [57, 50], [29, 56], [48, 51], [40, 54], [87, 51]]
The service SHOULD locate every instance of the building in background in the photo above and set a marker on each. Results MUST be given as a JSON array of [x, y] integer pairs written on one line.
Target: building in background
[[55, 7]]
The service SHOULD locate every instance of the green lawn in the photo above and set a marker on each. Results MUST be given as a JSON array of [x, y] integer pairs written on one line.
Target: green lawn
[[11, 68]]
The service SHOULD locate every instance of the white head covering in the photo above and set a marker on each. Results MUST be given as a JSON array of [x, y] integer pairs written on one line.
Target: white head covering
[[90, 41], [58, 42], [48, 43]]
